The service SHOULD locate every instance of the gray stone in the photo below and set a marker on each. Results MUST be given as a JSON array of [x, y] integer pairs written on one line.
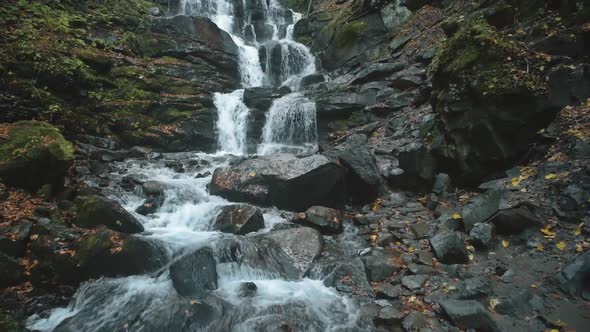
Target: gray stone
[[515, 221], [483, 207], [449, 248], [414, 282], [442, 184], [481, 235], [195, 273], [380, 267], [469, 315], [239, 219]]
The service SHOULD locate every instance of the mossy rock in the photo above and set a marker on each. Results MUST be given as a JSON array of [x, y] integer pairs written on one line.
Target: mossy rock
[[12, 272], [9, 323], [34, 154], [95, 59], [93, 211]]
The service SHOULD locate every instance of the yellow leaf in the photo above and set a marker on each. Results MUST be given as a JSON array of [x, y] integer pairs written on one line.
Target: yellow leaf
[[561, 245], [547, 232], [578, 230], [471, 257], [550, 176], [456, 216], [540, 247], [505, 244], [494, 303], [253, 174], [515, 182], [534, 286], [411, 249], [579, 247], [193, 302]]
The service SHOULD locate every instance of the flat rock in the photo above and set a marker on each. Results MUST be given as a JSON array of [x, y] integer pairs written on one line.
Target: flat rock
[[469, 315], [195, 273], [449, 248], [239, 219]]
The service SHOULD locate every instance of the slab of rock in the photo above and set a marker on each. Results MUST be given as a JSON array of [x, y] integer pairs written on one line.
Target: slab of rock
[[284, 181], [449, 248], [483, 207], [515, 221], [469, 315], [303, 245], [380, 267], [414, 282], [573, 278], [350, 278], [328, 221], [195, 273], [239, 219], [92, 211]]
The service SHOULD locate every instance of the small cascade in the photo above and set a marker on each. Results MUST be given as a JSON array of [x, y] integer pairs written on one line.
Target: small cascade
[[232, 121], [291, 121]]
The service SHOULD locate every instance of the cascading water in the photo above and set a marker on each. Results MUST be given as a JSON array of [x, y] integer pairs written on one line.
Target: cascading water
[[183, 223], [290, 122]]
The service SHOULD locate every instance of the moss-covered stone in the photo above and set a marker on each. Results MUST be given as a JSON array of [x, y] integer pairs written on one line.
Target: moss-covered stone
[[93, 211], [9, 323], [34, 154]]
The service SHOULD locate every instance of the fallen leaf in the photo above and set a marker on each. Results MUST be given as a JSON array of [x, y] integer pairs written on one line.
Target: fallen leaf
[[540, 247], [411, 249], [456, 216], [579, 247], [505, 244], [547, 232], [252, 174], [493, 304], [550, 176], [561, 245], [194, 301], [578, 230]]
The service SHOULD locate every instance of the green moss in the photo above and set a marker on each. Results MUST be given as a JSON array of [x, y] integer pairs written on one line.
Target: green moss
[[91, 246], [349, 33], [491, 64], [9, 323], [27, 139]]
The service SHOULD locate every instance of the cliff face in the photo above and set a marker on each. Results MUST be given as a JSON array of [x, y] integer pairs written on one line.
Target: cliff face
[[489, 74], [115, 68]]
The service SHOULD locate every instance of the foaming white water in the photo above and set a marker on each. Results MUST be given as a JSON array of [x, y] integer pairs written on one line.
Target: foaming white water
[[107, 299], [290, 121], [232, 121]]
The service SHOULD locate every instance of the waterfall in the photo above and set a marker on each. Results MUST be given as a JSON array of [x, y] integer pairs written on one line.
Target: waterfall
[[267, 55], [291, 121], [232, 121]]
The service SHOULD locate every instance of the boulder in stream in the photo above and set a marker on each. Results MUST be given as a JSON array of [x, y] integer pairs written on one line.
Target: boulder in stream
[[326, 220], [92, 211], [282, 180], [194, 273], [239, 219]]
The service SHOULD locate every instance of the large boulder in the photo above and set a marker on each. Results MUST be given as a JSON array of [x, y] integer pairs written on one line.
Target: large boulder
[[449, 248], [283, 180], [12, 271], [195, 273], [239, 219], [364, 177], [574, 278], [109, 253], [469, 315], [491, 100], [92, 211], [303, 245], [34, 154], [483, 207]]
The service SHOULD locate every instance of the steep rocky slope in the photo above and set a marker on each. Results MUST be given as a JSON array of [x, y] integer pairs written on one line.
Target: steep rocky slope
[[454, 138]]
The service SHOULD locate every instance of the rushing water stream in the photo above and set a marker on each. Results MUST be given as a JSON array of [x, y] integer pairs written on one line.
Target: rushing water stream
[[183, 223]]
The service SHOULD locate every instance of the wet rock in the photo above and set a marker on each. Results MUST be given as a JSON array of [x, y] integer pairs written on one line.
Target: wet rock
[[248, 289], [390, 292], [12, 272], [380, 267], [390, 315], [92, 211], [203, 175], [473, 288], [442, 184], [449, 248], [515, 221], [261, 98], [109, 253], [375, 72], [239, 219], [303, 245], [350, 278], [150, 205], [365, 177], [573, 278], [414, 282], [483, 207], [420, 229], [327, 221], [282, 180], [481, 235], [415, 321], [153, 188], [469, 315], [418, 165], [195, 273], [109, 156], [312, 79], [34, 154]]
